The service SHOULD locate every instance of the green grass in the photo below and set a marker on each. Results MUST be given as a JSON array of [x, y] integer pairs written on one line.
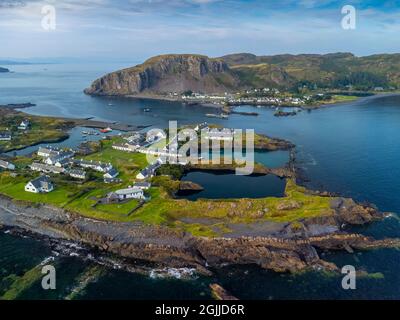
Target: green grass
[[128, 164], [20, 284], [121, 209]]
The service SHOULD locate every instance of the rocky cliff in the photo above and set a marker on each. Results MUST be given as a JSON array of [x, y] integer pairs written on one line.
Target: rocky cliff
[[168, 73]]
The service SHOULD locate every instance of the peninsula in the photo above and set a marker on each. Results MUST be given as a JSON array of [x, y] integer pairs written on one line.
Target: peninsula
[[111, 199]]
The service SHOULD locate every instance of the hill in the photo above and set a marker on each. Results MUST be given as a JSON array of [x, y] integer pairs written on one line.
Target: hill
[[179, 73], [168, 73]]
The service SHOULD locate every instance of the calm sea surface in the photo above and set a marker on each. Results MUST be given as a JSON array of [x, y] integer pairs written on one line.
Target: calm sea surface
[[352, 149]]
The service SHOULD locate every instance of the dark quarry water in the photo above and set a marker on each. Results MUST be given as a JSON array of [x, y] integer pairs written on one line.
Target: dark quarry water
[[352, 149], [225, 186]]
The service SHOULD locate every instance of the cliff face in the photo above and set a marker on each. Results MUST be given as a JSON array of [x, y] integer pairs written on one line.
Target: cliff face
[[168, 73]]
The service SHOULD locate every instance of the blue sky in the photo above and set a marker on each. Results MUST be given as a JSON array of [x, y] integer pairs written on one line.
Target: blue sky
[[133, 30]]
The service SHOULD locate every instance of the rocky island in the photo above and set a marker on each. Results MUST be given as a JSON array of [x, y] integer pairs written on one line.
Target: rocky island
[[283, 80], [4, 70]]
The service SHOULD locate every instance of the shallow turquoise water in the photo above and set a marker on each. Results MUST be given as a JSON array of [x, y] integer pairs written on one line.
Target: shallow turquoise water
[[352, 149]]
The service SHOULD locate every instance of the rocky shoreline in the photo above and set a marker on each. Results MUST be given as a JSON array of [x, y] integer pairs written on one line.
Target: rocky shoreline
[[293, 251]]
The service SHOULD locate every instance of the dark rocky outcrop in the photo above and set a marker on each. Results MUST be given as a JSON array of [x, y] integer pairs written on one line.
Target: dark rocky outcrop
[[4, 70], [189, 186]]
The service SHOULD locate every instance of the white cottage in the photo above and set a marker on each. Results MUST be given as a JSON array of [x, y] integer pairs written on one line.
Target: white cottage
[[42, 184]]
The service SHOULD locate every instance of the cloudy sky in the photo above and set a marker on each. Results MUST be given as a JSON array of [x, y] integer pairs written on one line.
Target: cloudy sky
[[136, 29]]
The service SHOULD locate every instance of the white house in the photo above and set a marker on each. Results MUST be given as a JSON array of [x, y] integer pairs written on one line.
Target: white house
[[5, 136], [41, 184], [7, 165], [144, 185], [48, 151], [219, 135], [60, 157], [148, 172], [95, 165], [125, 147], [77, 174], [24, 125], [130, 193], [111, 174], [46, 168]]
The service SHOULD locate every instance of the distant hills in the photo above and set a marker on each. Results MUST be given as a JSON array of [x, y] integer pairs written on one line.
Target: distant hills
[[188, 72]]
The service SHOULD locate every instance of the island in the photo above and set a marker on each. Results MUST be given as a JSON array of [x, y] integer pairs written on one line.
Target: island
[[111, 199], [300, 81], [4, 70]]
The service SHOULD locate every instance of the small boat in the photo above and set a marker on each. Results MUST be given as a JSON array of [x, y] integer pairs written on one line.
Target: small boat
[[147, 110], [110, 105], [106, 130]]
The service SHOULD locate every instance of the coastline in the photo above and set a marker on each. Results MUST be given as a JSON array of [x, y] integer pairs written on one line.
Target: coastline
[[162, 247]]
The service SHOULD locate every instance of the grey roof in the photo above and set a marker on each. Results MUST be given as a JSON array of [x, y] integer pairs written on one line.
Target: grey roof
[[4, 164], [77, 172], [49, 150], [128, 191], [112, 172], [151, 169], [5, 134], [42, 182], [63, 161]]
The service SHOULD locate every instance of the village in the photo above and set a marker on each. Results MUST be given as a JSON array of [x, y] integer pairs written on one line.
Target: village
[[264, 96], [49, 162]]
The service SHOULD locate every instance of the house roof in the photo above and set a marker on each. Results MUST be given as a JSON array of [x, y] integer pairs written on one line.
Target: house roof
[[77, 172], [128, 191], [44, 166], [4, 164], [112, 172], [42, 182]]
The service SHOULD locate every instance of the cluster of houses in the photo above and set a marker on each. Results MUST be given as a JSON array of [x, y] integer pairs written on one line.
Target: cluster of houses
[[264, 96], [57, 161], [7, 136]]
